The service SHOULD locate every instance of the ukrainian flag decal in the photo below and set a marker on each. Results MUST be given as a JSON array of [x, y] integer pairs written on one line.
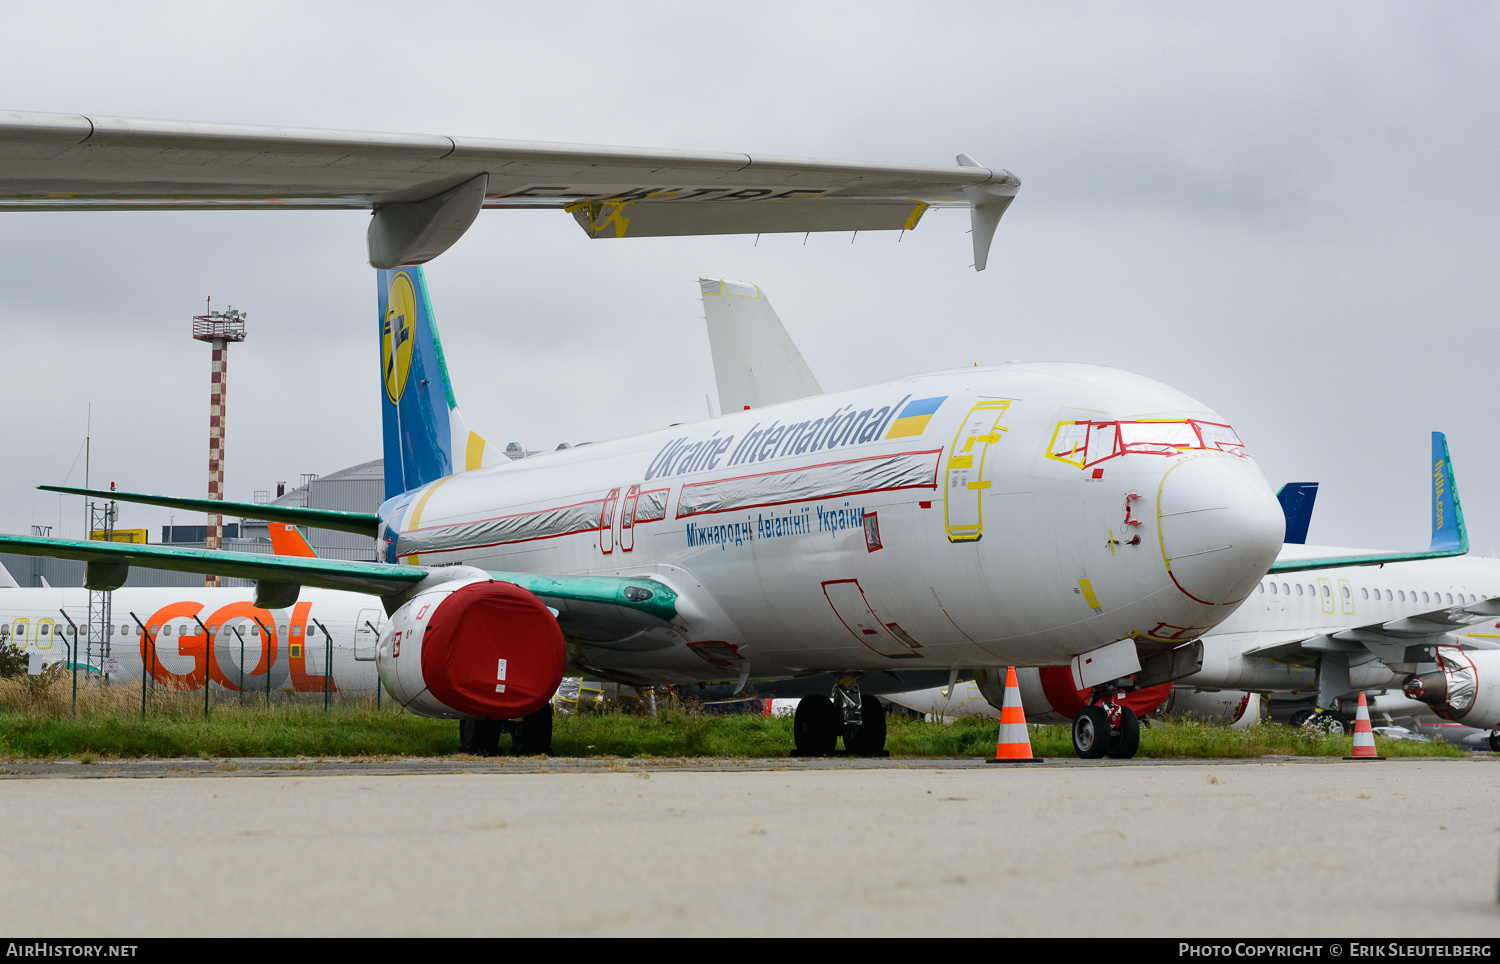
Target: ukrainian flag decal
[[915, 416]]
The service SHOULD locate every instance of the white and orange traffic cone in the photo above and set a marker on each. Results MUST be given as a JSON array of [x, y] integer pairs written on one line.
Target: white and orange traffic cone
[[1014, 744], [1364, 737]]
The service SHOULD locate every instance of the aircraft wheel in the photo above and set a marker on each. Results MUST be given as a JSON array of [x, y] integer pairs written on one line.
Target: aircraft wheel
[[480, 737], [869, 738], [815, 727], [1300, 717], [1091, 732], [533, 737], [1495, 742], [1124, 742], [1331, 722]]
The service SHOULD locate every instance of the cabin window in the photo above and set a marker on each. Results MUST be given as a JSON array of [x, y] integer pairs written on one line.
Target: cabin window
[[1450, 598], [166, 630], [1364, 594], [1401, 594], [1327, 593], [255, 629], [1261, 587], [296, 630], [1345, 591], [1424, 597], [1286, 590], [1273, 589], [1299, 588]]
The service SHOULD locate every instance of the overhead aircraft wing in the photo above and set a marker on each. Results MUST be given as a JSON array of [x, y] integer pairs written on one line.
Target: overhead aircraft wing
[[359, 523], [427, 189], [605, 603], [1449, 535]]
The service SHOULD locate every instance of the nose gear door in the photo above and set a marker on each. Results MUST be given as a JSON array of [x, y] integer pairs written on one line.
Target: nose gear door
[[965, 482]]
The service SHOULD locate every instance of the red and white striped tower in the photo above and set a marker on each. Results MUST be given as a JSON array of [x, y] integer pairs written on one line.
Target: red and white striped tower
[[218, 328]]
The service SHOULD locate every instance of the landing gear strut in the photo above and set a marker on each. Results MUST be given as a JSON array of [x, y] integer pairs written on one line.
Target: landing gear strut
[[1106, 729], [858, 717]]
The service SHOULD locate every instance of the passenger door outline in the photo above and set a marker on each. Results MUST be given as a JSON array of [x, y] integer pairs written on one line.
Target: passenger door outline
[[607, 522], [627, 519], [963, 513]]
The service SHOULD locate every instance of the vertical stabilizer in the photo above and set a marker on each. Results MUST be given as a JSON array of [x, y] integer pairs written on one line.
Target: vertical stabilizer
[[1448, 532], [755, 361], [424, 435]]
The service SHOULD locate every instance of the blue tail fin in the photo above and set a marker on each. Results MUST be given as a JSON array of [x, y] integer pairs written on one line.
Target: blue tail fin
[[1448, 531], [1297, 500], [425, 436]]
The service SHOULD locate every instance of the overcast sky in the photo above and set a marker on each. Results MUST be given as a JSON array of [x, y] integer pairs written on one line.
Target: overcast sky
[[1289, 211]]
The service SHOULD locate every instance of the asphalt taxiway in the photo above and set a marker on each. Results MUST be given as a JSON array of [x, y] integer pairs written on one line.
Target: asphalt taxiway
[[716, 847]]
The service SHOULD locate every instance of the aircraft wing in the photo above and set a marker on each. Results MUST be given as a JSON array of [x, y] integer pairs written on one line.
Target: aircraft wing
[[605, 604], [1450, 537], [427, 189], [1388, 640], [359, 523]]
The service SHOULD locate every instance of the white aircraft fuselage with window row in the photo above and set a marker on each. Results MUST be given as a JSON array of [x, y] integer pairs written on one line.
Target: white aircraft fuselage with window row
[[977, 532]]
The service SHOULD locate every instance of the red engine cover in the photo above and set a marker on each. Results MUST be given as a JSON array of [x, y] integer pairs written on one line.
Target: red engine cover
[[493, 650], [1057, 684]]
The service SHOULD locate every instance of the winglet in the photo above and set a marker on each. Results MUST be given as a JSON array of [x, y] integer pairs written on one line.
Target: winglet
[[1450, 537], [1297, 500], [987, 202], [1448, 530]]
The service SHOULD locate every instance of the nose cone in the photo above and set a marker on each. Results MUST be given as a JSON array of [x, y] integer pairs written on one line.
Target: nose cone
[[1220, 527]]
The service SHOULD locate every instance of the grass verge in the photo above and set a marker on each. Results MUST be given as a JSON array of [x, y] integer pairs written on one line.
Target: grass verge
[[306, 731]]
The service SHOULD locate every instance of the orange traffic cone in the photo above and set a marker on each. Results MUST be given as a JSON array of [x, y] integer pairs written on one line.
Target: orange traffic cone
[[1364, 737], [1014, 744]]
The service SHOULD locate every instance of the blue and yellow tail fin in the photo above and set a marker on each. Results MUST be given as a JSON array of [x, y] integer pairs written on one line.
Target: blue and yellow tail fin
[[425, 437], [1448, 530]]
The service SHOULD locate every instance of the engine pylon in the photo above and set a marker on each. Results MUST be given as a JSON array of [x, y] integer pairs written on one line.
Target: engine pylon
[[1364, 737], [1014, 743]]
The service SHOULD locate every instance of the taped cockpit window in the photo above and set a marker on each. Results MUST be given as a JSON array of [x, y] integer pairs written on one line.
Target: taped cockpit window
[[1086, 444]]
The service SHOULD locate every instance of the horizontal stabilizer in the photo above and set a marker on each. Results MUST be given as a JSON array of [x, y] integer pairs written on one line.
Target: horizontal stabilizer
[[359, 523], [620, 593]]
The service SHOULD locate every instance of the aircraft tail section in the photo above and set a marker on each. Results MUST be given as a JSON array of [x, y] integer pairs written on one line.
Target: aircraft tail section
[[287, 540], [1297, 500], [1448, 530], [425, 437], [755, 361]]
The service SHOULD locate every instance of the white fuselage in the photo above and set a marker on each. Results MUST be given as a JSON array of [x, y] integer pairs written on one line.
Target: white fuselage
[[251, 647], [831, 534], [1306, 604]]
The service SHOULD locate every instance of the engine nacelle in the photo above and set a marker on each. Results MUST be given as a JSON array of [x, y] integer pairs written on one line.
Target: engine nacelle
[[1048, 694], [1233, 708], [1465, 686], [472, 648]]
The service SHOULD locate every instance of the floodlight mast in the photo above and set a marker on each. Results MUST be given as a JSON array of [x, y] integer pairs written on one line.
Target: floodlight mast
[[219, 329]]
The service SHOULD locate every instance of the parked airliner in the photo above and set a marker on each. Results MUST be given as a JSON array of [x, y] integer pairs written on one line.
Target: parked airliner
[[1029, 514]]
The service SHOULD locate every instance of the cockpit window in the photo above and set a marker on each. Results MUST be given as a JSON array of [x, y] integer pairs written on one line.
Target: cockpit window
[[1086, 444]]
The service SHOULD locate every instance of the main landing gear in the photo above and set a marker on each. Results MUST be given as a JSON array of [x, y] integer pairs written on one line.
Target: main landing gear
[[529, 736], [1105, 729], [858, 718], [1328, 721]]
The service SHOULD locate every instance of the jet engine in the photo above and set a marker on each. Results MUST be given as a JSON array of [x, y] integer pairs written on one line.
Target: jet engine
[[472, 648], [1465, 686]]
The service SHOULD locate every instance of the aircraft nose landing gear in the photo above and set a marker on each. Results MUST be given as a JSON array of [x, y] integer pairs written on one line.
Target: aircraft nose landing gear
[[1105, 729]]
